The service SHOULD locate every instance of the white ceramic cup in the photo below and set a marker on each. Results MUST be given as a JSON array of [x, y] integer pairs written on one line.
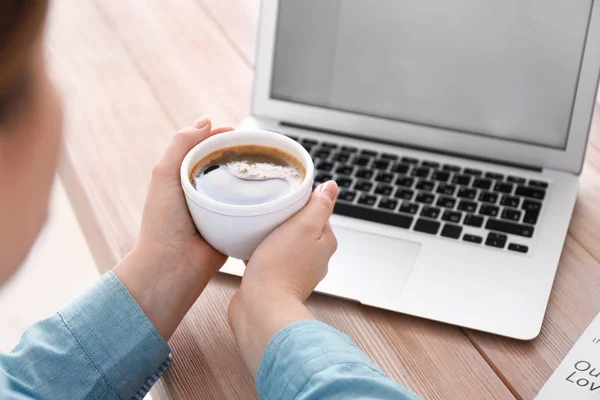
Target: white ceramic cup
[[237, 230]]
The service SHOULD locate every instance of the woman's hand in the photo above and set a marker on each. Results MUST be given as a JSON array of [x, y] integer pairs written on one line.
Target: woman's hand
[[281, 274], [171, 263]]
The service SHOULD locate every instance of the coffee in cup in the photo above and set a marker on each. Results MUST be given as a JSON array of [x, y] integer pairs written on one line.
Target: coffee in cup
[[247, 175]]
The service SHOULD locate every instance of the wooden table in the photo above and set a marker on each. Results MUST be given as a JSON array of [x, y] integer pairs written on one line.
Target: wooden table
[[134, 71]]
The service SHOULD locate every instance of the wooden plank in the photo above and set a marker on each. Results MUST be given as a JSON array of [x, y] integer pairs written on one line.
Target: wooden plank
[[133, 71], [183, 54], [238, 19], [114, 126]]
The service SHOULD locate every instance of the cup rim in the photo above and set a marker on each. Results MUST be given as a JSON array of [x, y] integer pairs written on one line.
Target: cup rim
[[235, 138]]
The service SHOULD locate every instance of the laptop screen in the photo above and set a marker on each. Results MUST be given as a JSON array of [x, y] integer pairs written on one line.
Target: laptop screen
[[501, 68]]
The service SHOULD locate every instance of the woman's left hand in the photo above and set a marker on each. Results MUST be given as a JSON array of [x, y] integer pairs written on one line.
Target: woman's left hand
[[171, 263]]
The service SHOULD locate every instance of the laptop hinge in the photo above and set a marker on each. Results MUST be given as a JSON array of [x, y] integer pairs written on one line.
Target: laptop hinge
[[411, 146]]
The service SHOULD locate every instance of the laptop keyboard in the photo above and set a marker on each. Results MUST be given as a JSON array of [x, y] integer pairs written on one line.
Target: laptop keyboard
[[430, 197]]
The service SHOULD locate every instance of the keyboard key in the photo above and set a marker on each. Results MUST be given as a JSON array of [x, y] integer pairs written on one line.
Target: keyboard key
[[325, 166], [369, 214], [349, 149], [409, 208], [389, 156], [509, 227], [323, 177], [452, 216], [446, 202], [421, 172], [431, 212], [384, 190], [540, 184], [531, 217], [504, 187], [405, 181], [341, 157], [529, 205], [530, 192], [519, 248], [471, 171], [473, 220], [516, 179], [425, 198], [367, 200], [430, 164], [488, 197], [381, 164], [493, 175], [409, 160], [444, 188], [322, 153], [310, 142], [510, 201], [427, 226], [404, 194], [384, 177], [451, 231], [467, 193], [308, 147], [344, 182], [347, 195], [401, 168], [425, 185], [472, 238], [365, 173], [451, 168], [369, 153], [482, 184], [345, 170], [468, 206], [328, 145], [495, 240], [362, 161], [388, 204], [363, 186], [440, 176], [463, 180], [511, 215], [490, 211]]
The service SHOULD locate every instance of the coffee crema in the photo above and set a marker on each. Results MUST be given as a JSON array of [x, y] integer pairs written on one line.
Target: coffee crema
[[247, 175]]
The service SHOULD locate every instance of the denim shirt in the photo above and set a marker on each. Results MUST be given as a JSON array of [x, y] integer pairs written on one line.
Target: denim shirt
[[102, 346]]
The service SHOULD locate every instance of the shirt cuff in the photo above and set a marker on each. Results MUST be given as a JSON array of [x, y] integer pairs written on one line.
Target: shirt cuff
[[118, 338], [301, 350]]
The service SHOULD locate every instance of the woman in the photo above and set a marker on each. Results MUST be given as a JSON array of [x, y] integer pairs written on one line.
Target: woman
[[111, 342]]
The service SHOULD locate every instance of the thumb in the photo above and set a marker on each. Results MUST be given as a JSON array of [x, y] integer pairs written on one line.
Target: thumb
[[320, 207], [185, 139]]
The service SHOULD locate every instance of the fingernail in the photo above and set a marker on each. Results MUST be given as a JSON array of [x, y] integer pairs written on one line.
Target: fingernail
[[202, 122], [330, 188]]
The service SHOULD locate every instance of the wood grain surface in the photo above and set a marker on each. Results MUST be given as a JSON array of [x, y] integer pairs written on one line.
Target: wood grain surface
[[133, 72]]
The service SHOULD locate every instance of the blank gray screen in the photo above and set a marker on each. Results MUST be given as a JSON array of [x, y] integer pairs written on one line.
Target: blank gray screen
[[502, 68]]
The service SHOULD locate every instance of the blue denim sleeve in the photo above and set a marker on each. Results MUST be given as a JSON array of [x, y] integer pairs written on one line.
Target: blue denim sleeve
[[101, 346], [311, 360]]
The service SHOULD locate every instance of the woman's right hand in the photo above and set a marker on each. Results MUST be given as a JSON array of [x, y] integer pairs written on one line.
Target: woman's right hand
[[281, 274]]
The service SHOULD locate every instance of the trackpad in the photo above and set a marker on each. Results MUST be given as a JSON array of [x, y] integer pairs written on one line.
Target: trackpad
[[370, 268]]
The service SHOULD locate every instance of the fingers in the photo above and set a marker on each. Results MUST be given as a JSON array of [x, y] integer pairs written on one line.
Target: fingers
[[315, 215], [183, 142]]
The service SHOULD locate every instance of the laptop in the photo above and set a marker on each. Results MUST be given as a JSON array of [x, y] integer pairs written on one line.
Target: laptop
[[456, 131]]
